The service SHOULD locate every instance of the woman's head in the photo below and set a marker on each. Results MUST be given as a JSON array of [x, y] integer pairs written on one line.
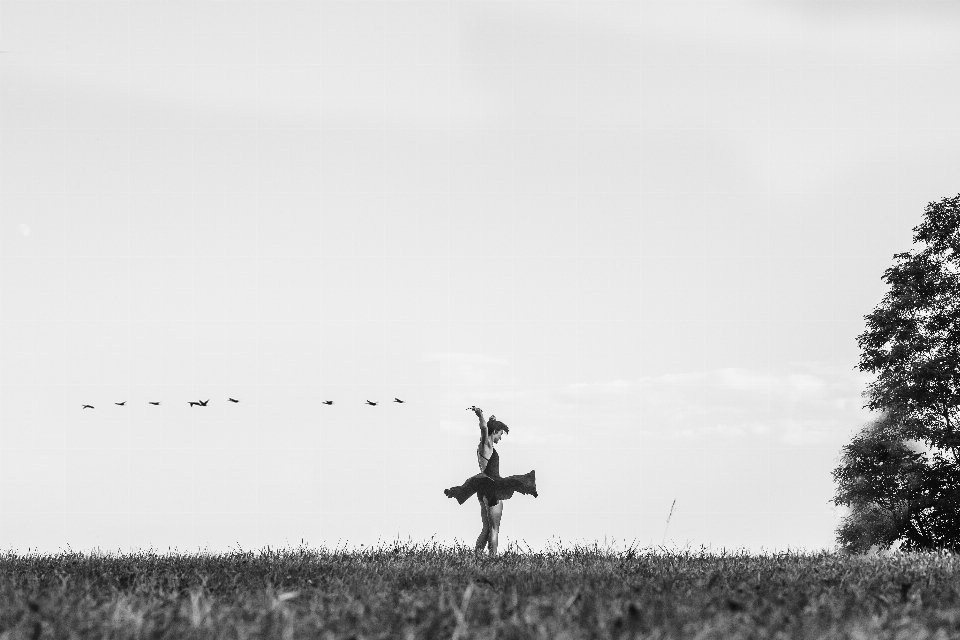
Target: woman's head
[[496, 429]]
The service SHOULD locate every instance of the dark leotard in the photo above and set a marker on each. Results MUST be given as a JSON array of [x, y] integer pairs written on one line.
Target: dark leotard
[[492, 467], [491, 485]]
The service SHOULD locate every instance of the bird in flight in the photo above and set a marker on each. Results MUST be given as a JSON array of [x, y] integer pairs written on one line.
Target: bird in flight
[[194, 404], [398, 400], [232, 400], [372, 404], [328, 402], [120, 404], [154, 403], [88, 406], [203, 403]]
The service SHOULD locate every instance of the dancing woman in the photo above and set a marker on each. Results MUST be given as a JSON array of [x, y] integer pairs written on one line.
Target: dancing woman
[[490, 487]]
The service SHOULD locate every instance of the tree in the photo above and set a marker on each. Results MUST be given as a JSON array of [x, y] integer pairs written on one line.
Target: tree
[[912, 339], [912, 344], [876, 479]]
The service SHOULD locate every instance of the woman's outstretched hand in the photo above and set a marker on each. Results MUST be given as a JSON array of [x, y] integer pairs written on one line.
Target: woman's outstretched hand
[[476, 410]]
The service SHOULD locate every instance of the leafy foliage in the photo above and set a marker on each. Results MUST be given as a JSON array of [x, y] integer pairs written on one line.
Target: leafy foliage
[[896, 494], [912, 344], [912, 338], [877, 479]]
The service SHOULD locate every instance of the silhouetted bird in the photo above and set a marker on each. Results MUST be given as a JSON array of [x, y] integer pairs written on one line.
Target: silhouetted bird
[[194, 404], [120, 404], [372, 404], [88, 406], [232, 400], [398, 400], [328, 402], [154, 403], [203, 403]]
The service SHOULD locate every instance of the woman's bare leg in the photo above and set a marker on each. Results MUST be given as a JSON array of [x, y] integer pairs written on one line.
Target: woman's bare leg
[[493, 517], [484, 534]]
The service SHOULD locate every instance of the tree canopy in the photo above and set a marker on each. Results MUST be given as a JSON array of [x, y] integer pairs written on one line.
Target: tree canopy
[[912, 338], [896, 492], [912, 344]]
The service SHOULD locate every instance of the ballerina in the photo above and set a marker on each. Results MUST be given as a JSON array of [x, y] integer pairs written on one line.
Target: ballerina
[[491, 488]]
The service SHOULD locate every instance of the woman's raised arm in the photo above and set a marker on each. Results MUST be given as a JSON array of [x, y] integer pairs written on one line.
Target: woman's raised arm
[[483, 424]]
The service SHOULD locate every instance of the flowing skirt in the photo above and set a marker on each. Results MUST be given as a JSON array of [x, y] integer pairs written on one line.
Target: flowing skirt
[[494, 488]]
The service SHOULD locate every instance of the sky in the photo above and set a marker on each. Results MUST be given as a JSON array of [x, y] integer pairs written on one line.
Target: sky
[[642, 234]]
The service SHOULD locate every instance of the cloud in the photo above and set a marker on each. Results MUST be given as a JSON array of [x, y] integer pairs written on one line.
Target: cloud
[[469, 368], [539, 436], [801, 403], [463, 358]]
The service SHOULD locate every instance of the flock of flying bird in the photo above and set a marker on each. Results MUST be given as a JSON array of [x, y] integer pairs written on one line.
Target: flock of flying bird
[[203, 403]]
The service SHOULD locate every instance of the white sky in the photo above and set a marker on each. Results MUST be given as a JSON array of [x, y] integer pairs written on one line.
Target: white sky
[[643, 234]]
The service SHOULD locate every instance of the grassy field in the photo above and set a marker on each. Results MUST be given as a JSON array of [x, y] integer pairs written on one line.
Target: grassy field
[[429, 591]]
